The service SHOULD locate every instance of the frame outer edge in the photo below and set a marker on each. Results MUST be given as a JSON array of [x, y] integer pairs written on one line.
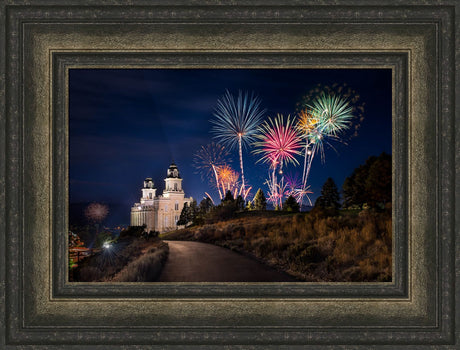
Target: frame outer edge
[[448, 179], [456, 136], [2, 174], [12, 224], [445, 140]]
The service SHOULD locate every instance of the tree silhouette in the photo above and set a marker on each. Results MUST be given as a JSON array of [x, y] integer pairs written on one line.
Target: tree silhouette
[[330, 197], [291, 205], [205, 205], [369, 183], [185, 215], [259, 202], [378, 182], [228, 197], [239, 203]]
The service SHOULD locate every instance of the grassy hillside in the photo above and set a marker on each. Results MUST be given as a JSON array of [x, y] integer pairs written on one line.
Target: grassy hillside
[[351, 247], [130, 259]]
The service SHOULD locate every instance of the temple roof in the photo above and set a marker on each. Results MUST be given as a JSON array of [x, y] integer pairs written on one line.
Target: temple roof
[[173, 172]]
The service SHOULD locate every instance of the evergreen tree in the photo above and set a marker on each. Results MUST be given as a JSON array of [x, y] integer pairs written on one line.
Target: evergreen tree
[[250, 206], [193, 211], [184, 218], [291, 205], [369, 183], [330, 197], [228, 197], [259, 201], [239, 203], [205, 205], [378, 182]]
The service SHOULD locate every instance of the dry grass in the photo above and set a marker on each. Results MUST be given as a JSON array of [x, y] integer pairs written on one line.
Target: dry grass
[[146, 268], [103, 266], [311, 246]]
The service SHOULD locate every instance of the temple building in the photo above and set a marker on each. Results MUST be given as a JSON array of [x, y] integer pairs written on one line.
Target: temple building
[[160, 213]]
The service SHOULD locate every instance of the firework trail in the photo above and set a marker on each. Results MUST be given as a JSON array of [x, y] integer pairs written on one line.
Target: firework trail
[[276, 189], [207, 195], [294, 187], [279, 143], [208, 160], [236, 123]]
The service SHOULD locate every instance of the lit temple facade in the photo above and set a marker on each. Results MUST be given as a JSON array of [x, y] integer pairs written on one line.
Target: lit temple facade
[[160, 213]]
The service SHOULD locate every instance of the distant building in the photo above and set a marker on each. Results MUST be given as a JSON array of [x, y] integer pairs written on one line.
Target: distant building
[[160, 213]]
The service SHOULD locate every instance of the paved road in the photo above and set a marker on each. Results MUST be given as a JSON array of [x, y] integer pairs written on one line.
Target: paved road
[[201, 262]]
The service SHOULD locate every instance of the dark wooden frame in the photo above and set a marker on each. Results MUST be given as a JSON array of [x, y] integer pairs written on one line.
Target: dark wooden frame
[[41, 40]]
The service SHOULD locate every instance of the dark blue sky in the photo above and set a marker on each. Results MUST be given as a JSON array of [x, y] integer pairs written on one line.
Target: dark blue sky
[[126, 125]]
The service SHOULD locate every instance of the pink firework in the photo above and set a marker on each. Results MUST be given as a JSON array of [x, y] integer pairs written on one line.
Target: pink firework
[[96, 212], [279, 142]]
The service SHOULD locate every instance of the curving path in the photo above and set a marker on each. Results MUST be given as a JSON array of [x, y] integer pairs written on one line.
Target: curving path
[[202, 262]]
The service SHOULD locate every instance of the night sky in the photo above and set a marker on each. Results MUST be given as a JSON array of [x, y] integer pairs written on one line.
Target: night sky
[[129, 124]]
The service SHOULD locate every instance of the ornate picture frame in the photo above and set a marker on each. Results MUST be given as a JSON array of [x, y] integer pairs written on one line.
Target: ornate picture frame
[[40, 41]]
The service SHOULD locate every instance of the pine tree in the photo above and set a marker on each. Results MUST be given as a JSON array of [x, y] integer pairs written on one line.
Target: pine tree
[[239, 203], [250, 206], [369, 183], [259, 201], [330, 197], [378, 182], [184, 215], [291, 205], [205, 205], [193, 211], [228, 197]]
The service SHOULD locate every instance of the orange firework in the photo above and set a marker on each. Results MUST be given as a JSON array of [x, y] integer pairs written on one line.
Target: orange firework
[[307, 122], [228, 179]]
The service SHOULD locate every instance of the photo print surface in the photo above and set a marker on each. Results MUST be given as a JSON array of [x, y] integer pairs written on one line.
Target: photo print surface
[[230, 175]]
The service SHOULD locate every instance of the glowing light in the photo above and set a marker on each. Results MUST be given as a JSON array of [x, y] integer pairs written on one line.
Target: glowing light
[[106, 245]]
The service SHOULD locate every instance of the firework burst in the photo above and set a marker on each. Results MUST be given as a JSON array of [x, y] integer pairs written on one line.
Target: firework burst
[[338, 91], [294, 187], [208, 159], [228, 180], [324, 116], [332, 114], [236, 121], [96, 212], [279, 142]]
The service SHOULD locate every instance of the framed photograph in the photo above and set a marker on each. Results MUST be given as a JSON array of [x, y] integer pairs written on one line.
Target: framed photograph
[[168, 166], [113, 103]]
